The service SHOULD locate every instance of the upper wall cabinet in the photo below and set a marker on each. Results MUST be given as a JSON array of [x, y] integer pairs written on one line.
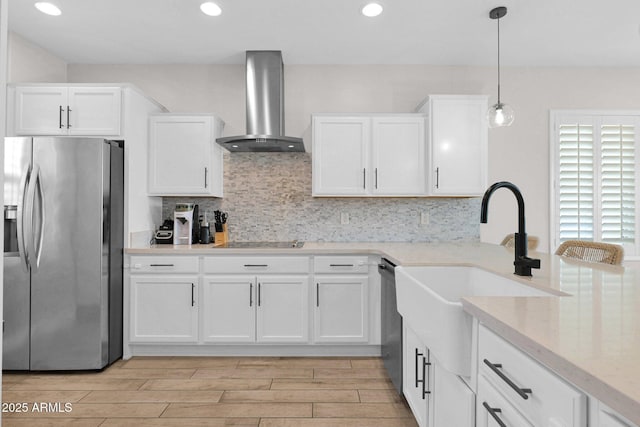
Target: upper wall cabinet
[[458, 136], [369, 155], [184, 159], [66, 110]]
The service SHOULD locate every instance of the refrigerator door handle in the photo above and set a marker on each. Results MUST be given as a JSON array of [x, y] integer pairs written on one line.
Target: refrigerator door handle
[[31, 197], [20, 220], [42, 217]]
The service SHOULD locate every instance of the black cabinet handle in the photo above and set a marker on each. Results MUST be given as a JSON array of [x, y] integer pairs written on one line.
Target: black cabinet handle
[[364, 178], [256, 265], [494, 413], [68, 111], [60, 116], [193, 298], [417, 369], [340, 265], [250, 294], [376, 178], [437, 177], [205, 177], [495, 367], [160, 265], [425, 379], [259, 294], [317, 294]]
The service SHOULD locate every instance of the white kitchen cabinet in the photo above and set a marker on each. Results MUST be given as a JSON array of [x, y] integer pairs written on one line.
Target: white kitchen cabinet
[[458, 150], [369, 155], [417, 379], [340, 155], [606, 417], [67, 110], [184, 158], [436, 397], [263, 309], [454, 403], [341, 308], [164, 308], [230, 309], [493, 409], [398, 152], [283, 309], [539, 395]]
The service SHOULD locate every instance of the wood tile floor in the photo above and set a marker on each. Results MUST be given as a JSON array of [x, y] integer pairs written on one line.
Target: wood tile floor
[[210, 391]]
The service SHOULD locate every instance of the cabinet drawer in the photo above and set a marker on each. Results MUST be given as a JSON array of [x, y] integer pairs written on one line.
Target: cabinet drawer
[[256, 264], [544, 398], [341, 264], [164, 264], [492, 406]]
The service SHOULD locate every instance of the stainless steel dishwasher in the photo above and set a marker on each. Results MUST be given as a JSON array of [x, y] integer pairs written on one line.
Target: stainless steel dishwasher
[[391, 324]]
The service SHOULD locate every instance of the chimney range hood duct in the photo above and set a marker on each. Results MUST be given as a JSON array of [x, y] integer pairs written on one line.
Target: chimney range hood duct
[[265, 107]]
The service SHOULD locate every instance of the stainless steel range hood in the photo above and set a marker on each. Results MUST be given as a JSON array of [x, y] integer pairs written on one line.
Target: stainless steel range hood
[[265, 107]]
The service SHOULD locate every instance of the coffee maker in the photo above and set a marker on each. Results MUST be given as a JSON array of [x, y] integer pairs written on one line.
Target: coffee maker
[[183, 218]]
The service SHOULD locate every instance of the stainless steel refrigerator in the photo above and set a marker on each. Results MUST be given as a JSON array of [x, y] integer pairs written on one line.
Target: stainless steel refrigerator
[[63, 219]]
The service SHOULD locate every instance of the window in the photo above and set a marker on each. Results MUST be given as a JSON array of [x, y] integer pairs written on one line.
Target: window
[[594, 178]]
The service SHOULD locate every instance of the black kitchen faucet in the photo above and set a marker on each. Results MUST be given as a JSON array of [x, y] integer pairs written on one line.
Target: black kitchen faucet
[[523, 264]]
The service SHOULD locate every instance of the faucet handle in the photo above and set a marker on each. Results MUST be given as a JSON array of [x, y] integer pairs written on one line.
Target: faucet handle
[[525, 264]]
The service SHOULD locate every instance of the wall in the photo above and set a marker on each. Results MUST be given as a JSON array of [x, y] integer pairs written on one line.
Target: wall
[[268, 198], [519, 153], [30, 63]]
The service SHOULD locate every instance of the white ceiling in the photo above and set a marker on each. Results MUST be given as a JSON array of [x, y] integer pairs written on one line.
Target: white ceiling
[[442, 32]]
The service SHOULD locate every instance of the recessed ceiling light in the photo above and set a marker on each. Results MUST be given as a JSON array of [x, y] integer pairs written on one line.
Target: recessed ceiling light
[[48, 8], [372, 9], [211, 9]]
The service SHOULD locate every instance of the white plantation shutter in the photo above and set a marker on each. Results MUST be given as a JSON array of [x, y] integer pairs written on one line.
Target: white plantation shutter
[[595, 179], [618, 183], [576, 181]]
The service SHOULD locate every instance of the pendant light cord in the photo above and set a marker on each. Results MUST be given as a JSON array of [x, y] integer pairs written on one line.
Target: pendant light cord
[[498, 60]]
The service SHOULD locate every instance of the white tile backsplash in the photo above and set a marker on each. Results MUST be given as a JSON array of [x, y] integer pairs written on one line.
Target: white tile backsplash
[[268, 198]]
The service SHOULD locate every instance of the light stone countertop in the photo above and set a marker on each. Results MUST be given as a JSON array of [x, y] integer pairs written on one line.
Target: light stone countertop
[[591, 336]]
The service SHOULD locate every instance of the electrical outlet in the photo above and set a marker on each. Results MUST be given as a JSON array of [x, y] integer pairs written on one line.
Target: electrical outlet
[[424, 218], [344, 218]]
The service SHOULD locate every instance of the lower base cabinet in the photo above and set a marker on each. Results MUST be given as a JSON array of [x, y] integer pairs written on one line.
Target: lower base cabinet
[[266, 309], [341, 306], [164, 309], [436, 397], [493, 410]]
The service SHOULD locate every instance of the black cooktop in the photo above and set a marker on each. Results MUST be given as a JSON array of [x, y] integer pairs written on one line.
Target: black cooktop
[[266, 245]]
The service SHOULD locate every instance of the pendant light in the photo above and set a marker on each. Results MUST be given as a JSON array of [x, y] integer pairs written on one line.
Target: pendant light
[[499, 114]]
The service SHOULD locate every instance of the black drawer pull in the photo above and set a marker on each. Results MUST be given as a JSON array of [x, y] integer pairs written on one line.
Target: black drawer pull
[[495, 367], [256, 265], [494, 413], [425, 379], [250, 294], [193, 297], [418, 381], [340, 265], [160, 265], [259, 294]]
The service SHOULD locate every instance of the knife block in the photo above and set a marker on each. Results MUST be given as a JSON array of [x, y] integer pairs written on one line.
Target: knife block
[[222, 236]]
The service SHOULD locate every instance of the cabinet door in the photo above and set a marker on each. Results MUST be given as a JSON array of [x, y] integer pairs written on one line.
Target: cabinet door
[[416, 381], [340, 156], [453, 400], [229, 309], [399, 156], [180, 157], [341, 309], [493, 409], [94, 111], [458, 146], [283, 313], [40, 110], [164, 308]]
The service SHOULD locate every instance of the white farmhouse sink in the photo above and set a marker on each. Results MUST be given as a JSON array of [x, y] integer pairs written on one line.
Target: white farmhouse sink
[[429, 301]]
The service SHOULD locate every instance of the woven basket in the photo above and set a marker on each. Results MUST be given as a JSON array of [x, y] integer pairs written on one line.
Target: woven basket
[[592, 251]]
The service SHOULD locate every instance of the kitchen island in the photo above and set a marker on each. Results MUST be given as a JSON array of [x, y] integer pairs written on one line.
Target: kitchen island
[[590, 337]]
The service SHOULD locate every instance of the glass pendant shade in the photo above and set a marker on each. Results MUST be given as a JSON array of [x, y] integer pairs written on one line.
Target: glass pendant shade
[[500, 115]]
